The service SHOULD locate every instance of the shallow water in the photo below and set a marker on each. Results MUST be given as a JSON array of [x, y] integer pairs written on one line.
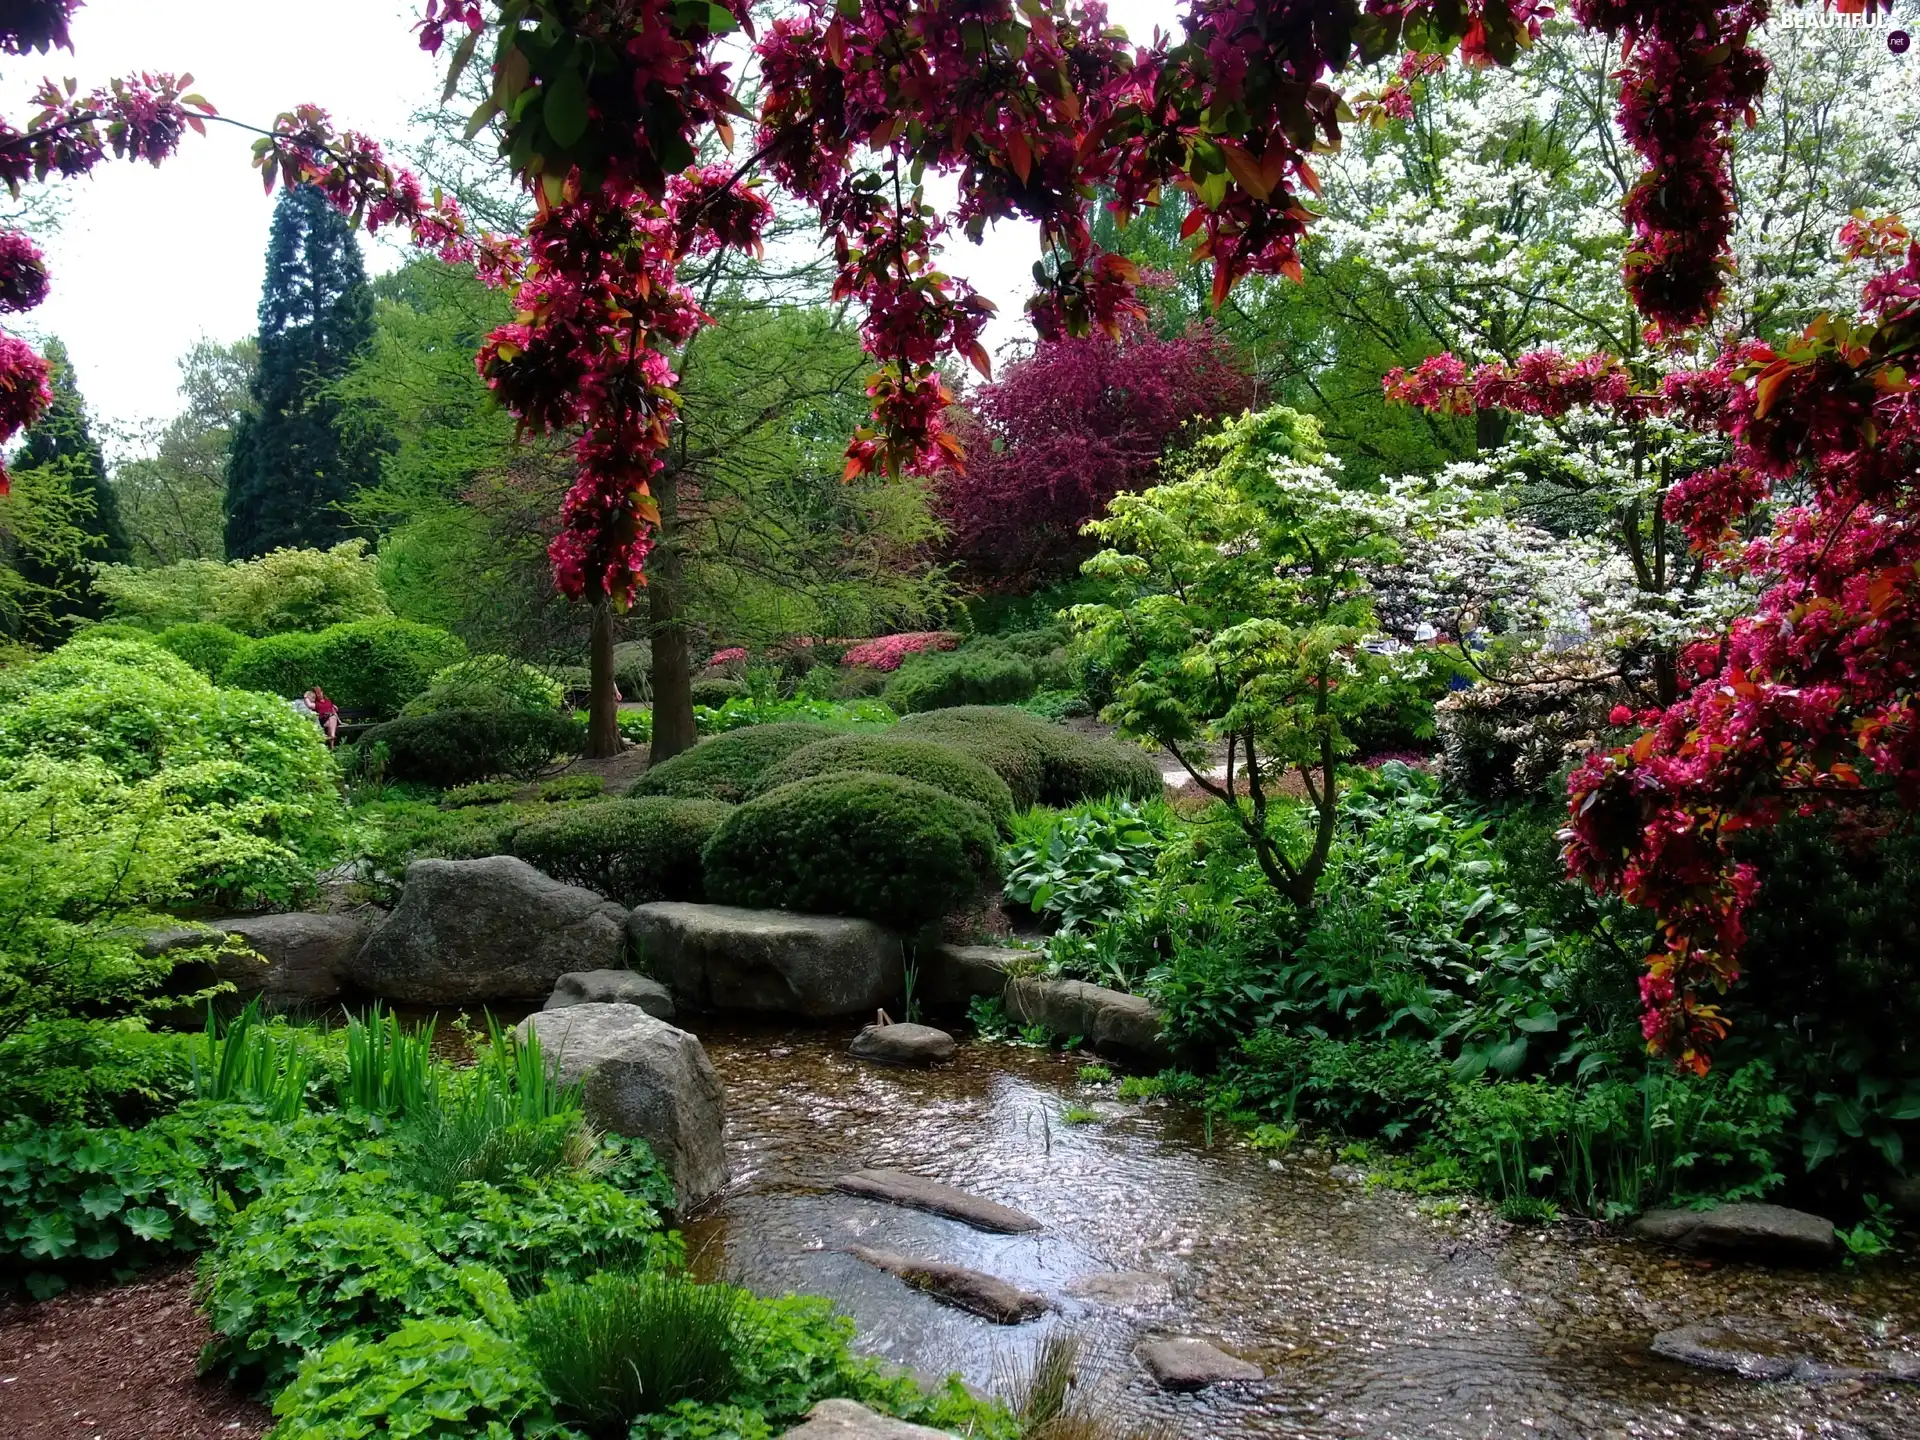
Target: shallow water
[[1372, 1318]]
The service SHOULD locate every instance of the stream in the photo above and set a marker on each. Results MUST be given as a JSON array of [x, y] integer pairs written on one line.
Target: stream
[[1372, 1316]]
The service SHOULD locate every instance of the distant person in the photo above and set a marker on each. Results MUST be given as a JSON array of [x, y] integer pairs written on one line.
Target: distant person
[[327, 713]]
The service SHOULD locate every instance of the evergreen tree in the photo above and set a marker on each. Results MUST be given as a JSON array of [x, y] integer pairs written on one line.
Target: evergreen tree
[[75, 521], [297, 457]]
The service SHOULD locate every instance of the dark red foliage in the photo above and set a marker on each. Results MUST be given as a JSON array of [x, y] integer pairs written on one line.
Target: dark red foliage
[[1065, 430]]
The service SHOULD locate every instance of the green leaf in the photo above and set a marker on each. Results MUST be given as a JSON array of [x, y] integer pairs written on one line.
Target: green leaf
[[49, 1236], [564, 109], [150, 1224]]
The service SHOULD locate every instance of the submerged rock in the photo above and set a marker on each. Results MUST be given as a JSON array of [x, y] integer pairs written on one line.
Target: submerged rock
[[1121, 1287], [643, 1078], [846, 1420], [917, 1192], [721, 957], [902, 1043], [1183, 1363], [611, 987], [1754, 1232], [1112, 1022], [1764, 1350], [492, 929], [970, 1290]]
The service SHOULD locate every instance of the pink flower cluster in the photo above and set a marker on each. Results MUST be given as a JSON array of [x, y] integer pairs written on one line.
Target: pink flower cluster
[[886, 652], [732, 655]]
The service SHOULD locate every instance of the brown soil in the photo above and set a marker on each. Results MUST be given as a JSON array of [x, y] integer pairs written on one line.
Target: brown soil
[[116, 1364]]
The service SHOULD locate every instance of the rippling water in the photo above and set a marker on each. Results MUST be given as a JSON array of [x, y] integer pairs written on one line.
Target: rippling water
[[1371, 1318]]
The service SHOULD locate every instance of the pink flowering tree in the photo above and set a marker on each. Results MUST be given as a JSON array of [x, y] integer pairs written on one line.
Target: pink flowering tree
[[1064, 430]]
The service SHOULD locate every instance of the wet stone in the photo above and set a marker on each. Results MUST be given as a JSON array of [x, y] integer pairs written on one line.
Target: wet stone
[[902, 1044], [1121, 1287], [845, 1420], [978, 1294], [1762, 1350], [611, 987], [917, 1192], [1754, 1232], [1183, 1363]]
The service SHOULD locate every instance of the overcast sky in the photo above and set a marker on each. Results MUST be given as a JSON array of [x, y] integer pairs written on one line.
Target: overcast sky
[[148, 260]]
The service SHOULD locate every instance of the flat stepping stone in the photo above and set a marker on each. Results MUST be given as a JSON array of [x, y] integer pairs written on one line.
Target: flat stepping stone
[[902, 1043], [984, 1295], [845, 1420], [1183, 1363], [1121, 1287], [1761, 1350], [1753, 1232], [917, 1192]]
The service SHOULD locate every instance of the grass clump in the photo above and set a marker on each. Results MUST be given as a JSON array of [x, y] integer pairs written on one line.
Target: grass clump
[[623, 1345]]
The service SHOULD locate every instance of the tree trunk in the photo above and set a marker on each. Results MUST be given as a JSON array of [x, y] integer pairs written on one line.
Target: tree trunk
[[672, 669], [603, 698]]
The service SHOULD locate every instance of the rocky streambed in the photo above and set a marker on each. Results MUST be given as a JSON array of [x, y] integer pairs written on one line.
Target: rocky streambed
[[1369, 1315]]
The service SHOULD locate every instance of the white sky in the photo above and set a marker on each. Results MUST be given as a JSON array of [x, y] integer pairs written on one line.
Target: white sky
[[149, 260]]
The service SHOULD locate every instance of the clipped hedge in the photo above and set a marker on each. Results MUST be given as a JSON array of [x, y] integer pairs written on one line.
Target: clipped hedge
[[488, 682], [461, 747], [1041, 762], [370, 666], [204, 645], [876, 846], [980, 676], [715, 690], [728, 766], [632, 851], [927, 761]]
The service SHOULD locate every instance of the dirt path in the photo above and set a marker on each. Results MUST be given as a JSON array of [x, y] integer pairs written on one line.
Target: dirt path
[[116, 1364]]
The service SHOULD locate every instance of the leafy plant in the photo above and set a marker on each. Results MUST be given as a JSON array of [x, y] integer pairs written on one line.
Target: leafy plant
[[1082, 866], [484, 792], [1095, 1075], [572, 787], [977, 675], [249, 1059], [93, 1072], [632, 851], [488, 682], [390, 1068], [459, 747], [371, 666]]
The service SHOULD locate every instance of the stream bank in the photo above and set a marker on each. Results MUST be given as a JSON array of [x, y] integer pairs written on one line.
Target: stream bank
[[1372, 1316]]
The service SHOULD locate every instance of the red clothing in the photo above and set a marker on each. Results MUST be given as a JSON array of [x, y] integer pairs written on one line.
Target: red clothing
[[324, 708]]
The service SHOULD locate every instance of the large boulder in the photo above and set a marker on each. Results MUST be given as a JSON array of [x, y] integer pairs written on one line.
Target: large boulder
[[720, 957], [1111, 1021], [1751, 1232], [492, 929], [309, 957], [849, 1420], [643, 1078], [951, 975], [611, 987]]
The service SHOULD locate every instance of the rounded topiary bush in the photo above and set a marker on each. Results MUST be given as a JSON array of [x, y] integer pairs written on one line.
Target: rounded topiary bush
[[928, 761], [369, 666], [459, 747], [715, 690], [728, 766], [1042, 763], [632, 851], [488, 682], [204, 645], [965, 677], [875, 846]]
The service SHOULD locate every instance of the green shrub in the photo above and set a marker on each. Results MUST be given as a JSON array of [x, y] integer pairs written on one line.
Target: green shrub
[[1085, 865], [75, 1199], [876, 846], [928, 761], [459, 747], [621, 1346], [93, 1072], [632, 851], [204, 645], [487, 682], [1357, 1087], [716, 690], [280, 591], [1042, 763], [428, 1380], [744, 711], [483, 792], [728, 766], [369, 666], [572, 787], [982, 676]]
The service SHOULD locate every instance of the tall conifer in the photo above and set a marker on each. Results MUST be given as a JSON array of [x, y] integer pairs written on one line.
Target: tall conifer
[[297, 457]]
